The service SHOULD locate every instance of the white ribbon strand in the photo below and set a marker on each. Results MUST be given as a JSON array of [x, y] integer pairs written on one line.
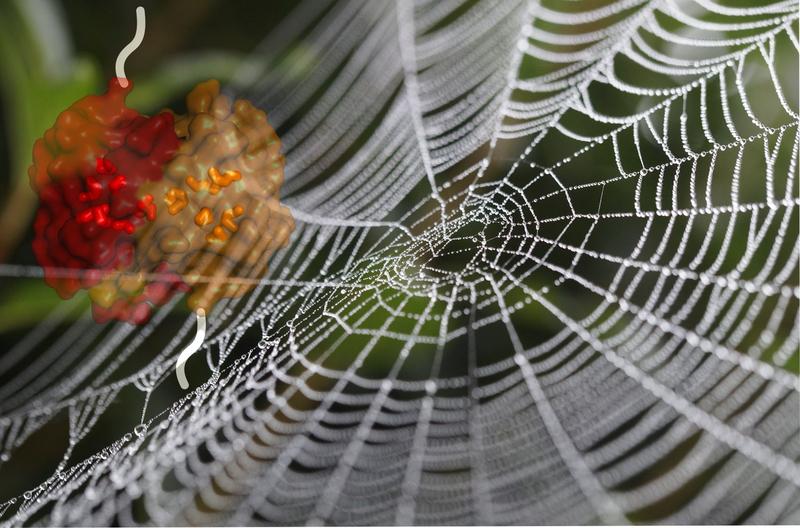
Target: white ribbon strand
[[193, 347], [138, 37]]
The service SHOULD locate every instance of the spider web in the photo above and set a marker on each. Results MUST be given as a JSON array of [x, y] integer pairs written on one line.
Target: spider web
[[545, 272]]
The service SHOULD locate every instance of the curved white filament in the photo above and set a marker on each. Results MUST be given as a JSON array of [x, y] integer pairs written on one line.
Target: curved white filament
[[193, 347], [138, 37]]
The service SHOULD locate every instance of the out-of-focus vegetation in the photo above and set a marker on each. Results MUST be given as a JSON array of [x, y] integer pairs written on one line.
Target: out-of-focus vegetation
[[53, 53]]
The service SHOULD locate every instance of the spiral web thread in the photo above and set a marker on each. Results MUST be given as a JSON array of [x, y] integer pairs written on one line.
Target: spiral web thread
[[545, 271]]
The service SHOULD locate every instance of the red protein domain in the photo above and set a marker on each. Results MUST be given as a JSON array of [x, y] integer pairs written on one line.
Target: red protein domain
[[87, 170]]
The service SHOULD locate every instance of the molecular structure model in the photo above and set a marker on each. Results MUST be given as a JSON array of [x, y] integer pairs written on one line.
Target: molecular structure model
[[135, 209]]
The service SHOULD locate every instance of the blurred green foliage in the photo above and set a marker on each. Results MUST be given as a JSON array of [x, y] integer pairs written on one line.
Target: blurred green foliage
[[186, 42]]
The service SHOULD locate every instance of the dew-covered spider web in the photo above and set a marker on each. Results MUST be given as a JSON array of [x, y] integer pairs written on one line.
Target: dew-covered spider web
[[545, 270]]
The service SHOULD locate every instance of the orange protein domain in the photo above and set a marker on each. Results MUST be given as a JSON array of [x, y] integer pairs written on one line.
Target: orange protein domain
[[221, 219]]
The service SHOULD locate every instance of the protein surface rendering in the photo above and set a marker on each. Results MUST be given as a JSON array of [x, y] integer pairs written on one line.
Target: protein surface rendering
[[136, 208]]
